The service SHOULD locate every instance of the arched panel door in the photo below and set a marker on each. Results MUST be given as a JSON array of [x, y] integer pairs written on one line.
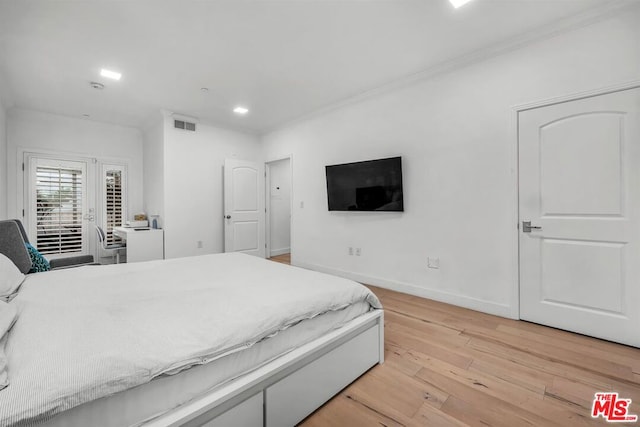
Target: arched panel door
[[580, 216], [244, 215]]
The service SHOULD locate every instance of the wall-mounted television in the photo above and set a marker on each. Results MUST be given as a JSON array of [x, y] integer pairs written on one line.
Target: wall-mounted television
[[372, 185]]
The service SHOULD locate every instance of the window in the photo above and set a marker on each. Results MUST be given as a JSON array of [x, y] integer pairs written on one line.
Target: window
[[114, 213], [58, 206]]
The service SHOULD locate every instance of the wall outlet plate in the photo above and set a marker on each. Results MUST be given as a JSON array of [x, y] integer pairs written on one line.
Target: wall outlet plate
[[433, 262]]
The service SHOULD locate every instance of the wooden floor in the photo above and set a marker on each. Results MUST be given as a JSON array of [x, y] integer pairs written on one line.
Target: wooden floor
[[284, 258], [448, 366]]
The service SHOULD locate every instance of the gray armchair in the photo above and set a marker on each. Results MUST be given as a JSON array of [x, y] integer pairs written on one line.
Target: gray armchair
[[12, 244]]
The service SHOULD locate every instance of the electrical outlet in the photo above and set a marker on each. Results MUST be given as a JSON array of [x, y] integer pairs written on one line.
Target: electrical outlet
[[358, 251], [199, 244], [350, 250], [433, 262]]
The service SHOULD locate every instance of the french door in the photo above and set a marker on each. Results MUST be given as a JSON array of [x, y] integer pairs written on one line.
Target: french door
[[114, 203], [65, 198], [58, 206]]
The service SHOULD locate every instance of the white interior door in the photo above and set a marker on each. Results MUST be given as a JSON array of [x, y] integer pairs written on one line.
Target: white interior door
[[244, 207], [580, 183]]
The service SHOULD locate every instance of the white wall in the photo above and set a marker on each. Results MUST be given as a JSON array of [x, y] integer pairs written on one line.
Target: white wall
[[193, 192], [279, 198], [3, 162], [456, 135], [153, 169], [36, 131]]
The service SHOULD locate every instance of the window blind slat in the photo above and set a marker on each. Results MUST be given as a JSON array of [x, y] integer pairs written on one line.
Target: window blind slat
[[58, 210], [114, 203]]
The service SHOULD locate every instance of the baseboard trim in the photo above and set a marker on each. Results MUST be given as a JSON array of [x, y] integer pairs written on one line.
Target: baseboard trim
[[276, 252], [489, 307]]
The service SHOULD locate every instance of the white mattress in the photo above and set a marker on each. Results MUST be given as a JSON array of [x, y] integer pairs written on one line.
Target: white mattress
[[88, 333], [132, 407]]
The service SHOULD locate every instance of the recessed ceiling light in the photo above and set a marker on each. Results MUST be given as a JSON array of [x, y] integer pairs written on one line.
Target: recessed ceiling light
[[240, 110], [86, 116], [204, 89], [459, 3], [110, 74], [96, 85]]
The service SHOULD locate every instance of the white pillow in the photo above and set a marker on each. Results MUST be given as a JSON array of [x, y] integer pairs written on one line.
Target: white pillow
[[8, 315], [10, 277]]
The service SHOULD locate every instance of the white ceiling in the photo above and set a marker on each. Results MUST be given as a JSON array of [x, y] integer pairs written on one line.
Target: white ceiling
[[282, 59]]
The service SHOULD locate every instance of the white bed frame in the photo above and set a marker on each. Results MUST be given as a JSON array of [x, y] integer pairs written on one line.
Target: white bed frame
[[288, 389]]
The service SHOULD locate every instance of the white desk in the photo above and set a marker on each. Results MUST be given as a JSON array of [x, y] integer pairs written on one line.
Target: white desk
[[143, 244]]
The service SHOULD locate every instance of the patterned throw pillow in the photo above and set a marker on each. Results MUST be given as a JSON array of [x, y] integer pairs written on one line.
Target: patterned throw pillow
[[38, 262]]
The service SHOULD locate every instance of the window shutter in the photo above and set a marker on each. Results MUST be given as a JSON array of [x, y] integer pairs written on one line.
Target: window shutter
[[59, 209], [114, 205]]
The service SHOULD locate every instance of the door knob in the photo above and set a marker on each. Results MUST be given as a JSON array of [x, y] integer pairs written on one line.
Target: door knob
[[527, 227], [228, 217]]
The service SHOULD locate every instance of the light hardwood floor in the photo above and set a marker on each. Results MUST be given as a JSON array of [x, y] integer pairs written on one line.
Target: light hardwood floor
[[449, 366], [284, 258]]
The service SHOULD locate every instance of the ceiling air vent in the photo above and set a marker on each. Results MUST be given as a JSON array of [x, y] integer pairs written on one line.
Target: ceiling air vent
[[182, 124]]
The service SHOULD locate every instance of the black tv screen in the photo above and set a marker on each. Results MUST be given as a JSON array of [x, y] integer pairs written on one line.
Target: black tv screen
[[373, 185]]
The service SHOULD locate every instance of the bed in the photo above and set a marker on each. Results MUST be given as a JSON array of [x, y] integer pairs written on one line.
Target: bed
[[215, 340]]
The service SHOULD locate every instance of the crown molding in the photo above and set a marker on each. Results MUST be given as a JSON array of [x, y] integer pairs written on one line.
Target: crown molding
[[44, 113], [229, 128], [156, 118], [632, 84], [179, 116], [159, 116], [561, 26]]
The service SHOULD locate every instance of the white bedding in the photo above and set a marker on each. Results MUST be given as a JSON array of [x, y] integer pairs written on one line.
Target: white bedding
[[89, 332], [157, 397]]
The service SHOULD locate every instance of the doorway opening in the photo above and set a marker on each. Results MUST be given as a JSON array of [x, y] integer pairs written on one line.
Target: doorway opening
[[278, 210]]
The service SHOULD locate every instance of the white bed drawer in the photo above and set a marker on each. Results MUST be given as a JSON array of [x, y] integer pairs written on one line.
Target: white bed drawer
[[294, 397], [246, 414]]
